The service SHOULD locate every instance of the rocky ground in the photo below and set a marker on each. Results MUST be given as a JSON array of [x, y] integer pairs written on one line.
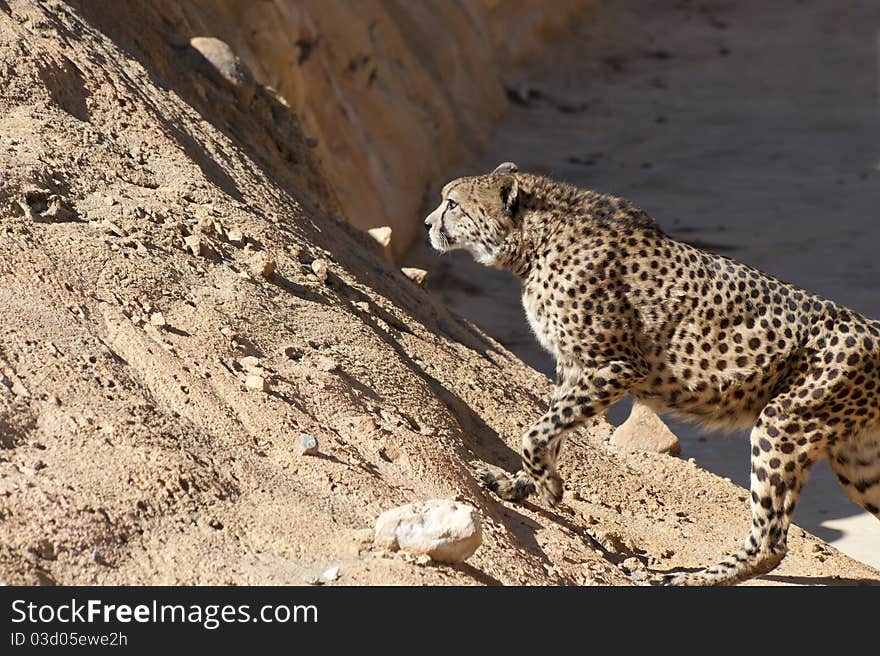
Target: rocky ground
[[183, 316]]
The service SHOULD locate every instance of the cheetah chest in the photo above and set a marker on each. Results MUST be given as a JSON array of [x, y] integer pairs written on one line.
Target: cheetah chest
[[540, 320]]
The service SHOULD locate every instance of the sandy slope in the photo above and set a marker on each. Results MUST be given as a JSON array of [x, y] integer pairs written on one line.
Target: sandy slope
[[131, 450]]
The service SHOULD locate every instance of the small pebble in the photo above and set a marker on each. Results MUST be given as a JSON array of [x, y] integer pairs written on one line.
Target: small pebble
[[235, 237], [110, 228], [194, 244], [323, 363], [158, 320], [383, 238], [307, 445], [257, 383], [332, 574], [319, 268], [418, 276], [263, 266], [250, 362]]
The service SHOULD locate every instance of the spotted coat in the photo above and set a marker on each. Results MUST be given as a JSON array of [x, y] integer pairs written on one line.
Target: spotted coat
[[624, 308]]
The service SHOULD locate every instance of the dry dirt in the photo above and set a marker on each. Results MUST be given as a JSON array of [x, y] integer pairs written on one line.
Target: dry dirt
[[131, 451]]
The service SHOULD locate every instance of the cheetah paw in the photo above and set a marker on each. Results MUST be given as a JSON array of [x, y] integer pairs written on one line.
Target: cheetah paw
[[551, 488], [703, 577], [508, 487]]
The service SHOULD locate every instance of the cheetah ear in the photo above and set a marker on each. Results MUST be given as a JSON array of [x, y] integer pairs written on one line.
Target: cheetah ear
[[505, 168], [509, 193]]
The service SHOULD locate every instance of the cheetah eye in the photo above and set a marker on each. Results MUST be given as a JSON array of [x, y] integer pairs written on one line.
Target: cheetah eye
[[451, 204]]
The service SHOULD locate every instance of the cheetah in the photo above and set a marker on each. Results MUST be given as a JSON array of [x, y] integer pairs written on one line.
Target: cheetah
[[624, 308]]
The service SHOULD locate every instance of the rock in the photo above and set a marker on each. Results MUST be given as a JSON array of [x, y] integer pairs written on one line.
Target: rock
[[319, 268], [194, 244], [262, 265], [332, 574], [445, 530], [45, 549], [312, 580], [109, 228], [293, 352], [383, 238], [418, 276], [632, 564], [250, 362], [235, 237], [158, 320], [58, 211], [228, 65], [307, 445], [206, 223], [257, 383], [324, 363], [645, 431]]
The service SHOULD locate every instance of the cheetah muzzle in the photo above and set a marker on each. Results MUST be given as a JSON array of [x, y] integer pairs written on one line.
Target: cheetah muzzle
[[624, 308]]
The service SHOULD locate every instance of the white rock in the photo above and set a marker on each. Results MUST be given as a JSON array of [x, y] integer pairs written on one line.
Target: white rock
[[307, 445], [445, 530], [332, 574], [383, 238], [158, 320], [250, 362], [418, 276], [257, 383], [319, 268], [235, 237], [194, 244]]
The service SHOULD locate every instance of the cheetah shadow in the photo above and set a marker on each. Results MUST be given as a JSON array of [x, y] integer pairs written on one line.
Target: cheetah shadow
[[832, 581], [480, 442]]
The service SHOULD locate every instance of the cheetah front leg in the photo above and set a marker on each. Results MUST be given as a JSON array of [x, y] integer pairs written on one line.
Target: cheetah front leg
[[783, 450], [579, 396]]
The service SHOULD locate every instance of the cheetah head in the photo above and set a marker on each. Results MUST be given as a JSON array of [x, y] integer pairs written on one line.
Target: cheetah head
[[476, 214]]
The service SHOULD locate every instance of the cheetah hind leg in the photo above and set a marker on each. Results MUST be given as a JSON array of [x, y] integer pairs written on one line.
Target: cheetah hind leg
[[857, 467], [779, 471], [510, 487]]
